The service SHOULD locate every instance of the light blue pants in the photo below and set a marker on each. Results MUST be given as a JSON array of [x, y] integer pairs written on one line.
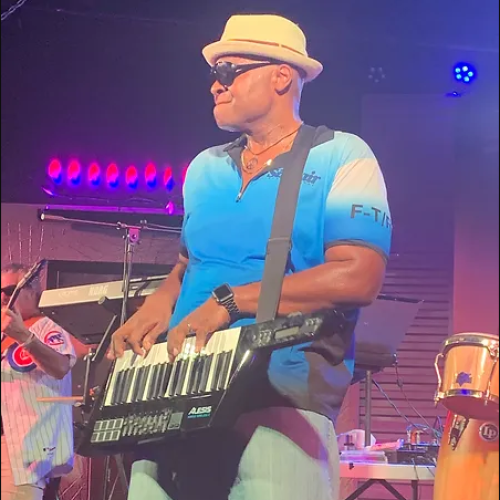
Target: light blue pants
[[271, 454]]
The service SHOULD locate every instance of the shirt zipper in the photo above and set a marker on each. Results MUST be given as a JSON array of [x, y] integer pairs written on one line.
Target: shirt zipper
[[260, 174]]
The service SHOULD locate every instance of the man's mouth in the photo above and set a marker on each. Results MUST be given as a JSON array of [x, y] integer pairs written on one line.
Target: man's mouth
[[221, 99]]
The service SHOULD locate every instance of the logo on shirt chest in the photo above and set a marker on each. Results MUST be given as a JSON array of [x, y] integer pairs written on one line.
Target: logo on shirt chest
[[19, 359], [307, 178]]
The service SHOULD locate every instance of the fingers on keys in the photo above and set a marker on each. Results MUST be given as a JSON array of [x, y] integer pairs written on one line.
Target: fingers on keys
[[124, 337], [151, 338], [118, 345], [201, 341], [177, 336]]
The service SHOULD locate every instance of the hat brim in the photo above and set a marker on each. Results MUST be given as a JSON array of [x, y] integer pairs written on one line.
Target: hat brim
[[216, 50]]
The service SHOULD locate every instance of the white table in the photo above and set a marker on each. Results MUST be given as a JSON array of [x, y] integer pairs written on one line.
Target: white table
[[375, 473]]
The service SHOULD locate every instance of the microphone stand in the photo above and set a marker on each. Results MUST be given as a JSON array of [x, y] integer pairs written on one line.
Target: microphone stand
[[132, 239]]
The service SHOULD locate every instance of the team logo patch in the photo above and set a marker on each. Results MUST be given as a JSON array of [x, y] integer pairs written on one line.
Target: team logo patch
[[53, 338], [19, 359], [489, 432]]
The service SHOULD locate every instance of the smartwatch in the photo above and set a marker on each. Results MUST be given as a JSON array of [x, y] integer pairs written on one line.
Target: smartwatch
[[224, 296]]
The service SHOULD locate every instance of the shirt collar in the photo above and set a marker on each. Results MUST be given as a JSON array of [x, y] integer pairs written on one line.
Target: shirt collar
[[235, 148]]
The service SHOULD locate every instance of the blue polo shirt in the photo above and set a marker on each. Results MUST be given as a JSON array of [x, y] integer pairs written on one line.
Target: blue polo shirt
[[342, 200]]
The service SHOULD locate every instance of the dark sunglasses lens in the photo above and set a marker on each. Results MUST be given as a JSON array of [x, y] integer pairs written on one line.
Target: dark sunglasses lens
[[9, 290], [224, 73]]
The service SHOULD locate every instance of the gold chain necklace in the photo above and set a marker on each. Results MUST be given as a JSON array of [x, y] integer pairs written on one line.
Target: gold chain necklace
[[252, 163]]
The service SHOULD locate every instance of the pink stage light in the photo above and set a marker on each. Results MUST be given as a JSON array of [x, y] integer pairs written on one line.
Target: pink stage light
[[74, 172], [150, 175], [112, 175], [168, 179], [54, 171], [131, 177], [94, 174]]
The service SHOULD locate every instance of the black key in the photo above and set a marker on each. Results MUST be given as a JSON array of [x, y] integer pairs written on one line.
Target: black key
[[134, 388], [138, 384], [218, 368], [174, 377], [156, 381], [202, 360], [116, 387], [182, 376], [225, 370], [158, 376], [127, 386], [153, 388], [144, 381], [193, 375], [206, 372], [166, 370], [121, 389]]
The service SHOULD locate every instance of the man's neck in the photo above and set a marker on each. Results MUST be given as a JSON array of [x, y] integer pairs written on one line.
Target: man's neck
[[265, 134]]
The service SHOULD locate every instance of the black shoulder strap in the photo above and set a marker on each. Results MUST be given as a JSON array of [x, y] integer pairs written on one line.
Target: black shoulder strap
[[279, 244]]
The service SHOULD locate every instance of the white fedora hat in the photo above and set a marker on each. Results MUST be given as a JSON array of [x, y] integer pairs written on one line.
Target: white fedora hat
[[264, 36]]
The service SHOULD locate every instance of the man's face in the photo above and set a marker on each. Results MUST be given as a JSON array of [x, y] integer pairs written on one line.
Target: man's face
[[26, 303], [248, 98]]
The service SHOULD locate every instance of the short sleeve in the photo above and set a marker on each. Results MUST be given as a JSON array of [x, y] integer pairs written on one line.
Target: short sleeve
[[357, 211], [191, 179], [183, 247], [55, 337]]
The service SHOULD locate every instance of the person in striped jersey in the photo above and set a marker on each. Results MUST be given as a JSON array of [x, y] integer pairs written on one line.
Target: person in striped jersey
[[37, 357]]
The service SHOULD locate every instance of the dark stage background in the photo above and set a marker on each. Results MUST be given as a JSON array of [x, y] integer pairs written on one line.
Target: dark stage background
[[125, 81]]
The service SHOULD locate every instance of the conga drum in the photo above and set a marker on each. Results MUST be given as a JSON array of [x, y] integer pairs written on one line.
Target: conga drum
[[468, 462], [469, 385]]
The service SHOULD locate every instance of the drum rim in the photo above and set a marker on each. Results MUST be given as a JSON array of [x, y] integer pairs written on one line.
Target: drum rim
[[472, 338], [467, 393]]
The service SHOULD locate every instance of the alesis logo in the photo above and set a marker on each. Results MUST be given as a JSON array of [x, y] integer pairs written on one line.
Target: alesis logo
[[200, 412]]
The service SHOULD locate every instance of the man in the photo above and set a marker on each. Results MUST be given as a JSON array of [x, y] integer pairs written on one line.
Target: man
[[37, 437], [283, 446]]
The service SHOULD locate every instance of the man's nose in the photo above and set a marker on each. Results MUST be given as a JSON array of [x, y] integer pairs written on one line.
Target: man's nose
[[217, 88]]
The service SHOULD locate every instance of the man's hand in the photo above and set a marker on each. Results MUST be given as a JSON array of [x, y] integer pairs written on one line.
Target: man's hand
[[141, 330], [13, 326], [207, 319]]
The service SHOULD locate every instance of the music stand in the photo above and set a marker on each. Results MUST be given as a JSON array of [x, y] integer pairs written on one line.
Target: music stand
[[380, 331]]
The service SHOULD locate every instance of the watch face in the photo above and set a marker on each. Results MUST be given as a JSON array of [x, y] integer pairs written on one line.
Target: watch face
[[223, 293]]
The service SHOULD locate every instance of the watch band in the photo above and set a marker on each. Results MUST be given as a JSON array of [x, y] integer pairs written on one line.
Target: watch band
[[231, 307], [227, 301]]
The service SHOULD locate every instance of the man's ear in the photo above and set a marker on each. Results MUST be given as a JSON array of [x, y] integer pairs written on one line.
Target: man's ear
[[283, 78]]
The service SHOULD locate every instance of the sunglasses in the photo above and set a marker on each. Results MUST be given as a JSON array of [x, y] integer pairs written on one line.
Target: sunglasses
[[9, 290], [226, 72]]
